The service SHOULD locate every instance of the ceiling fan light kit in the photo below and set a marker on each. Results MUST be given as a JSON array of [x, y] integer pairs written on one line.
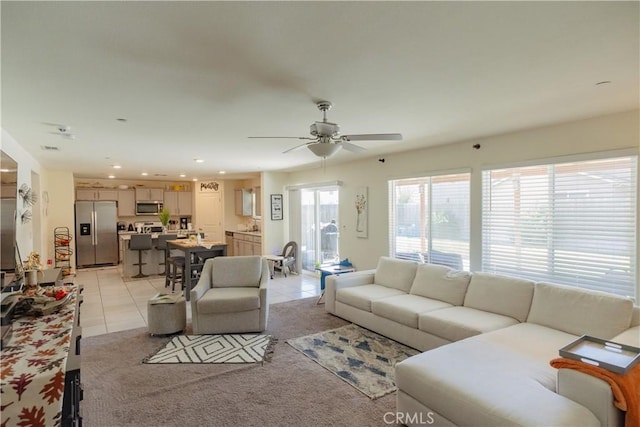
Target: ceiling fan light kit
[[323, 149], [327, 140]]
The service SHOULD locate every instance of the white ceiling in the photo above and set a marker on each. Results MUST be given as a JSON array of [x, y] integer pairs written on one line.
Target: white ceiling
[[195, 79]]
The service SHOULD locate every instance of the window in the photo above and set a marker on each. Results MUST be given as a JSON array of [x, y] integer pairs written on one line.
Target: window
[[429, 219], [569, 223]]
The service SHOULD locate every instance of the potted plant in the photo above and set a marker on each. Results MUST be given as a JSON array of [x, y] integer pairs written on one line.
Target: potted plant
[[164, 215]]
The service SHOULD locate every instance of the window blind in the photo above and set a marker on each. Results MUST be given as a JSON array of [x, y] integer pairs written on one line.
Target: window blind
[[569, 223], [429, 219]]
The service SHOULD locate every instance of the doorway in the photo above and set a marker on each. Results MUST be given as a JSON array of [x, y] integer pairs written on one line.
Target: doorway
[[319, 227]]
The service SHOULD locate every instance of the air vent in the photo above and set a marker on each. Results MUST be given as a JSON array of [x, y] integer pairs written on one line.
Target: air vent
[[49, 148], [159, 174]]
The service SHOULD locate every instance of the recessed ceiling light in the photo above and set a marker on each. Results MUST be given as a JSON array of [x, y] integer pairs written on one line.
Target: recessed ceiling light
[[111, 176], [117, 167], [182, 175], [198, 160], [222, 172], [194, 179], [144, 174]]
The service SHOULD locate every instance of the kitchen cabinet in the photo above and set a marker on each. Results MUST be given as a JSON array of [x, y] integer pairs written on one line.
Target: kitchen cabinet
[[244, 202], [178, 202], [126, 203], [8, 191], [149, 194], [247, 244], [257, 191], [95, 194]]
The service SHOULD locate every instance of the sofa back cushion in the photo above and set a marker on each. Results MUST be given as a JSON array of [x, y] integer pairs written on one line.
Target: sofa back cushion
[[237, 271], [504, 295], [395, 273], [441, 283], [580, 311]]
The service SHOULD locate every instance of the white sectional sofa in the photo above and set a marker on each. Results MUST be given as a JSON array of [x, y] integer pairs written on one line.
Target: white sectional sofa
[[488, 341]]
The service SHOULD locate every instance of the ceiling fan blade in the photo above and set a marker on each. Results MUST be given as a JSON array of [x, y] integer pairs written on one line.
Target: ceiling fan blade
[[352, 147], [373, 137], [280, 137], [297, 147]]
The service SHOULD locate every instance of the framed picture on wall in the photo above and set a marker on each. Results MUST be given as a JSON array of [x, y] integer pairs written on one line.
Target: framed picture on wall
[[362, 212], [276, 207]]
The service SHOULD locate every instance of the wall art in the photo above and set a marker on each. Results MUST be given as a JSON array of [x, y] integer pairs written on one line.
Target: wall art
[[362, 212]]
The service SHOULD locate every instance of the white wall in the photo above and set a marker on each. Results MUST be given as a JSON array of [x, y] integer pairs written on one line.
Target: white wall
[[612, 132], [275, 233], [59, 211]]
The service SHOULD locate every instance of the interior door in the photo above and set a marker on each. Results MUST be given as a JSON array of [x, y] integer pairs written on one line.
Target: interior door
[[209, 215]]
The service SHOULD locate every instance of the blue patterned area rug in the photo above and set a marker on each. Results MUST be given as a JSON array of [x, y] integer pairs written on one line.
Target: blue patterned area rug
[[228, 348], [360, 357]]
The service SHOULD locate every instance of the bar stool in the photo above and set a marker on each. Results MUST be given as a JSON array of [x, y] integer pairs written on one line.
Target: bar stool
[[162, 245], [175, 272], [140, 242]]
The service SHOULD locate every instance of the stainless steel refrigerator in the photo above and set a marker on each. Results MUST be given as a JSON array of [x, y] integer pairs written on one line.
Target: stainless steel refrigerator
[[96, 233]]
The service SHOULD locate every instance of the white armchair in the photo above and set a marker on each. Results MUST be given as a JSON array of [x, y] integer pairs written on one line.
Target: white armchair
[[231, 296]]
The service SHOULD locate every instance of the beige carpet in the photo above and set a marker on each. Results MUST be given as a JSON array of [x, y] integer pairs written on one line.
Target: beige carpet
[[291, 390]]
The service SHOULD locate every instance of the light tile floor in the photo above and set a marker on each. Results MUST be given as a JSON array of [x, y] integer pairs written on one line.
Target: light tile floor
[[112, 304]]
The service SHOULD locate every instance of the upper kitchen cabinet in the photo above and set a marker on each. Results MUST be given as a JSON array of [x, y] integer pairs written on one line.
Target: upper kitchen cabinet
[[257, 192], [149, 194], [95, 194], [126, 203], [178, 202], [244, 202]]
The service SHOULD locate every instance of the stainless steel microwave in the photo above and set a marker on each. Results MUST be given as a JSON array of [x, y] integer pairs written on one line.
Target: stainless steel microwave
[[148, 208]]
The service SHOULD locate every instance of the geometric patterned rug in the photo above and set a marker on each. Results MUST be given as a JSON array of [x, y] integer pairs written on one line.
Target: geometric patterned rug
[[228, 348], [358, 356]]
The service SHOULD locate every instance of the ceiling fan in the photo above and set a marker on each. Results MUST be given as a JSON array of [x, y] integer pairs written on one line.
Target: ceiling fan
[[62, 130], [326, 139]]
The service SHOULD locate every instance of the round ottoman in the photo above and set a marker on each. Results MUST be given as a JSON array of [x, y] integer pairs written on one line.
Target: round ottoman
[[166, 316]]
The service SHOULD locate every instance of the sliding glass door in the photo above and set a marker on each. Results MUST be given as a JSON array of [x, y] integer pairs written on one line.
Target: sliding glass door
[[320, 228]]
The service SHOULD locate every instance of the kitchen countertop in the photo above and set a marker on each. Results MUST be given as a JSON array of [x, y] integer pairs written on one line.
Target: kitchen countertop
[[250, 233], [126, 235]]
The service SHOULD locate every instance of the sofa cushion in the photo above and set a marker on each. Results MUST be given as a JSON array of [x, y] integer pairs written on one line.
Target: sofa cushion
[[441, 283], [361, 296], [457, 323], [395, 273], [630, 336], [229, 300], [242, 271], [495, 379], [405, 309], [504, 295], [580, 311]]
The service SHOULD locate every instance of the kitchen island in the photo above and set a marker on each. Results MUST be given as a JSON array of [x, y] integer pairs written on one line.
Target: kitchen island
[[153, 258]]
